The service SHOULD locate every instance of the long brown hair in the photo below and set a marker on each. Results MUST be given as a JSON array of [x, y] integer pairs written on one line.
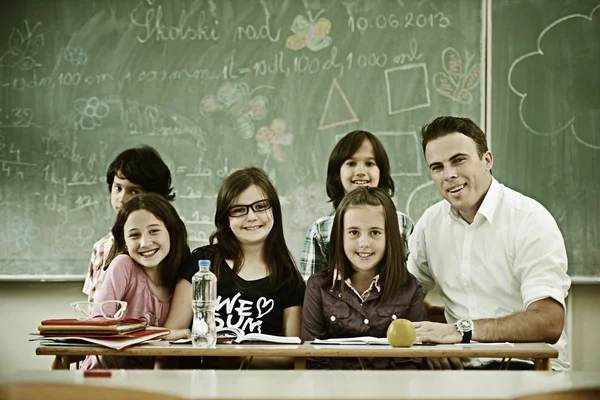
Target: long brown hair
[[280, 264], [393, 273], [160, 207]]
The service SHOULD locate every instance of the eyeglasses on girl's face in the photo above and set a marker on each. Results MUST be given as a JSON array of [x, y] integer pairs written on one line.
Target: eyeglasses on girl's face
[[239, 210], [110, 309]]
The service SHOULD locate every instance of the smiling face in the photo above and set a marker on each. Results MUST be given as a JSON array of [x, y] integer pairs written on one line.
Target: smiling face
[[364, 238], [147, 239], [461, 176], [254, 227], [361, 169], [122, 191]]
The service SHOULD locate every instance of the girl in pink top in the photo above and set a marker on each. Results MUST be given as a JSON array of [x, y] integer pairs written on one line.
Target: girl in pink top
[[150, 245]]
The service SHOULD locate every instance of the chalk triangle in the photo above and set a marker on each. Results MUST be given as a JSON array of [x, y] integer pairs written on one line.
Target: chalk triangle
[[337, 104]]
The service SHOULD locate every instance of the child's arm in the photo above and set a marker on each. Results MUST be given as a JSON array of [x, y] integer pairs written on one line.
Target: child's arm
[[291, 327], [292, 321], [312, 258], [313, 321], [180, 314], [89, 279], [416, 309]]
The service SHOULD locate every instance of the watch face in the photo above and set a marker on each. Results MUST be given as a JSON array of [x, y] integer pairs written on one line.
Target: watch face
[[464, 325]]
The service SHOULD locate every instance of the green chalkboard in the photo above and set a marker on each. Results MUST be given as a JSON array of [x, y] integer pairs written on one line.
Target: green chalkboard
[[214, 85], [546, 115]]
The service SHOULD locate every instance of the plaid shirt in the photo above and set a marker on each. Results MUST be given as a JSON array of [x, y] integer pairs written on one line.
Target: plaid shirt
[[97, 263], [316, 245]]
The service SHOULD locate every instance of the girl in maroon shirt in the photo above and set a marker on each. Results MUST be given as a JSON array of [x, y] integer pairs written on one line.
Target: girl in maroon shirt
[[367, 284]]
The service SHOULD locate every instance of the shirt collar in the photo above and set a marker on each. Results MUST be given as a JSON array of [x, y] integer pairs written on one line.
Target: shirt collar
[[488, 206], [348, 282]]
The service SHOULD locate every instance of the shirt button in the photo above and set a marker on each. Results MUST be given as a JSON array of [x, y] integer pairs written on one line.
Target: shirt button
[[332, 318], [366, 321], [394, 317], [339, 295]]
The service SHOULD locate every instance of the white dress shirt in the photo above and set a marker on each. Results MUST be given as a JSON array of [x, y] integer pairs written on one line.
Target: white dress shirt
[[512, 255]]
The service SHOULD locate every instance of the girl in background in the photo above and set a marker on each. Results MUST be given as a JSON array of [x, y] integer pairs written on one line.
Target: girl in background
[[367, 284], [150, 243], [358, 159], [259, 288]]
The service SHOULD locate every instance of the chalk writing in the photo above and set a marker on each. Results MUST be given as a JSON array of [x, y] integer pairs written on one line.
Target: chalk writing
[[391, 21], [152, 23]]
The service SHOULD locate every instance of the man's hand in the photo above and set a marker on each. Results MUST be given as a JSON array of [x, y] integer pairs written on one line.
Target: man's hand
[[442, 363], [433, 332]]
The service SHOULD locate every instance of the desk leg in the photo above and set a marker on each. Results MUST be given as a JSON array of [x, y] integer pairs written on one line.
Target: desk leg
[[542, 364], [300, 363], [60, 362]]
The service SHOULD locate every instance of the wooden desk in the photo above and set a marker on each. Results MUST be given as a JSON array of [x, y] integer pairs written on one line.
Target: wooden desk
[[313, 385], [540, 352]]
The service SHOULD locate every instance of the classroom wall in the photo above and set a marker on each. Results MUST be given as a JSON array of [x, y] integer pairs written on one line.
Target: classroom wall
[[23, 305]]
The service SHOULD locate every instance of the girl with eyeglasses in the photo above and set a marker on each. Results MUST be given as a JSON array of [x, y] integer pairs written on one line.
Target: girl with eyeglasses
[[259, 288], [150, 243]]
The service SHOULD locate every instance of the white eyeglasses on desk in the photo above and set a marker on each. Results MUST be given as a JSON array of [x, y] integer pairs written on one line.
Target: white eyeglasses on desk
[[110, 309]]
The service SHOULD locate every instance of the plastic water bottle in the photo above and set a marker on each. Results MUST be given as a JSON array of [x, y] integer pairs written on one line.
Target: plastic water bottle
[[204, 299]]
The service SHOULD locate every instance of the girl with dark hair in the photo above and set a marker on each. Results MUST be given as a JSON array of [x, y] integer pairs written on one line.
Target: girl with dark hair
[[259, 288], [367, 284], [358, 159], [150, 243]]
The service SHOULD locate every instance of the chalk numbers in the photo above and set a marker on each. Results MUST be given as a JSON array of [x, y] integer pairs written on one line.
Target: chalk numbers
[[410, 20], [16, 117]]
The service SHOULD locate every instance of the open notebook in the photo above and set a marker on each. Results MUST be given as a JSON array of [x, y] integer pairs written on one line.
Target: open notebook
[[367, 340], [236, 335]]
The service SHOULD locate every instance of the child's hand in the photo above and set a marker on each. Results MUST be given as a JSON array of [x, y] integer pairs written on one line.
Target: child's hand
[[177, 334]]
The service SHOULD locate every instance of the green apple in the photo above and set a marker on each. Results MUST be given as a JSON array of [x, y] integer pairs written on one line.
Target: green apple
[[401, 333]]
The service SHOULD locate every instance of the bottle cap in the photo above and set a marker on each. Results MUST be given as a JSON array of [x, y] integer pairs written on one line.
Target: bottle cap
[[203, 263]]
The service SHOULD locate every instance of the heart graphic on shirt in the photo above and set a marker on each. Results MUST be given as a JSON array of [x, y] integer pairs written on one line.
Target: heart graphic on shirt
[[264, 306]]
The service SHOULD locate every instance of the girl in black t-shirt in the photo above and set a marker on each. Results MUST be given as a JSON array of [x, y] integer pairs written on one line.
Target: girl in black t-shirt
[[259, 288]]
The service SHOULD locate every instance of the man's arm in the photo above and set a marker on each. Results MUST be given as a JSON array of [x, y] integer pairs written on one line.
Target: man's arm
[[543, 321]]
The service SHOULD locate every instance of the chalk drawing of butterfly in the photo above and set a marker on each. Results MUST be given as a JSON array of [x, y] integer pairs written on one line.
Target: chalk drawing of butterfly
[[23, 48], [312, 33], [459, 78]]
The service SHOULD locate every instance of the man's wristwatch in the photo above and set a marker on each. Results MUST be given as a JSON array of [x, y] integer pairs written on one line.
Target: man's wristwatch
[[465, 327]]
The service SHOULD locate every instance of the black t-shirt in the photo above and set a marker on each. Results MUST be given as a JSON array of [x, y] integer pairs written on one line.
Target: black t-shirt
[[253, 306]]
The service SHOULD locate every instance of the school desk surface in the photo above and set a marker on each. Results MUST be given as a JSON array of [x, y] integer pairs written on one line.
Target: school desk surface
[[300, 385], [541, 352]]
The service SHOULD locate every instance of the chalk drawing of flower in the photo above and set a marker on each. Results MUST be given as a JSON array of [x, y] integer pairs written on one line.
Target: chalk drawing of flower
[[75, 55], [312, 33], [459, 78], [270, 139], [90, 112], [238, 100], [22, 232], [23, 47]]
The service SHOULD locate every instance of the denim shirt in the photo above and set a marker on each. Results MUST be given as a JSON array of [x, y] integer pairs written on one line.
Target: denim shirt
[[329, 313]]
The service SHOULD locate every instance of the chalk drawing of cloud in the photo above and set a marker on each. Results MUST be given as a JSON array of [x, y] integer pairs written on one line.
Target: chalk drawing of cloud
[[559, 83]]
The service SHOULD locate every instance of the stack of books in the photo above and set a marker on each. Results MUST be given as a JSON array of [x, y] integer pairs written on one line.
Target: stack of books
[[115, 334]]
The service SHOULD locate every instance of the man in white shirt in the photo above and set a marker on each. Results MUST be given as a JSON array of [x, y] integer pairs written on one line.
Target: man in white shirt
[[497, 256]]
